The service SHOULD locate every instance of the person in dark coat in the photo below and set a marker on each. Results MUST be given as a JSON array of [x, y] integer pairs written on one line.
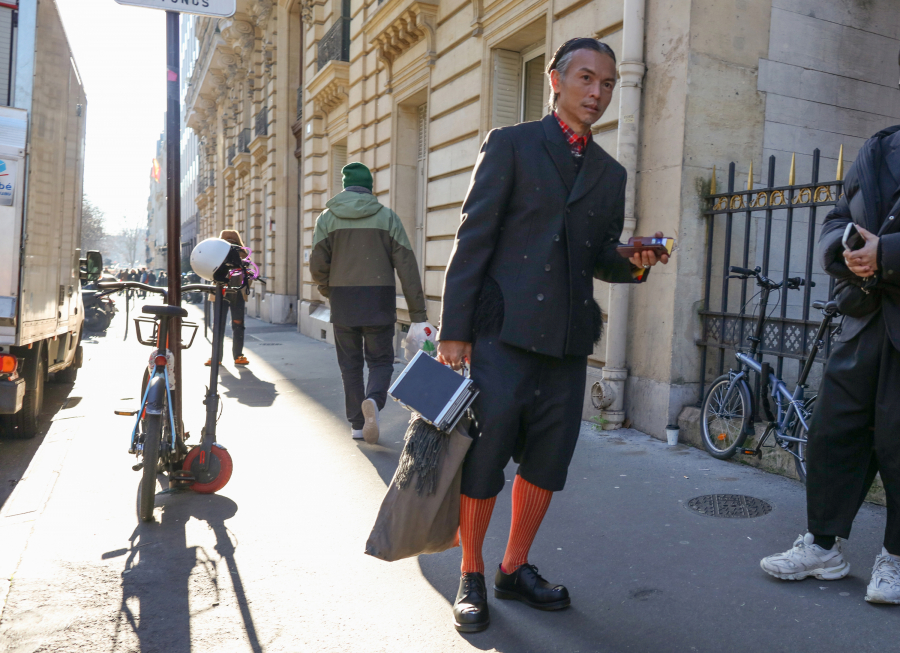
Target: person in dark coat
[[541, 220], [854, 427]]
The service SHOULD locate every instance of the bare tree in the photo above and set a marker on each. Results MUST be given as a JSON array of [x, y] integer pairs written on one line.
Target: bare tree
[[131, 240], [93, 231]]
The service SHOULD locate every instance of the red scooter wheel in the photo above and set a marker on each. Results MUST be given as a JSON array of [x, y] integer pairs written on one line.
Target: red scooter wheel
[[217, 474]]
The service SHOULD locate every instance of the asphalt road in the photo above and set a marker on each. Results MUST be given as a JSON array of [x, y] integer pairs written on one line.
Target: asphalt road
[[275, 561]]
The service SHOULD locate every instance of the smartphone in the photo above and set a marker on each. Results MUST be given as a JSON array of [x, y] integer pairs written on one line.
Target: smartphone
[[853, 240], [637, 244]]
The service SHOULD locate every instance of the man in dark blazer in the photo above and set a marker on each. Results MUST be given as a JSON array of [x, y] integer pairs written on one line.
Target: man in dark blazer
[[854, 431], [541, 220]]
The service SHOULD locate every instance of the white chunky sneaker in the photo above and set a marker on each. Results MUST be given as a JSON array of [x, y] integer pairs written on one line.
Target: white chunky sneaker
[[885, 584], [357, 434], [806, 559]]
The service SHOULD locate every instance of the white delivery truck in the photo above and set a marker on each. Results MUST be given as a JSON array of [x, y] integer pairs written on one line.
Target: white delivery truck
[[42, 119]]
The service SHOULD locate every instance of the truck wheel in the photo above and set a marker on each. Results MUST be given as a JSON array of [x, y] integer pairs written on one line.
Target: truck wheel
[[69, 374], [24, 424]]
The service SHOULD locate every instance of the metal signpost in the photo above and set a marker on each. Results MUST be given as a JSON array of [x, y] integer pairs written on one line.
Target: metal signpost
[[214, 8]]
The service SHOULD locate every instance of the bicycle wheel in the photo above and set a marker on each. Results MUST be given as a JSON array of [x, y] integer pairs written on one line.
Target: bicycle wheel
[[725, 424], [799, 448], [152, 434]]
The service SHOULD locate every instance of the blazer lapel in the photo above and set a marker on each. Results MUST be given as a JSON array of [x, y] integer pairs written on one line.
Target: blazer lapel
[[891, 151], [591, 170], [559, 150]]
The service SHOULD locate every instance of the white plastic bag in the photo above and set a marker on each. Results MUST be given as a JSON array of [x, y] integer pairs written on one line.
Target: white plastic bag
[[170, 366], [419, 334]]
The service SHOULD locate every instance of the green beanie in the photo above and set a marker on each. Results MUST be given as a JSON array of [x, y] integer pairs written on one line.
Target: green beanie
[[356, 174]]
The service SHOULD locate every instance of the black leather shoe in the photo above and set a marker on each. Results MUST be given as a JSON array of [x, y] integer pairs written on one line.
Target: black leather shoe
[[527, 586], [470, 610]]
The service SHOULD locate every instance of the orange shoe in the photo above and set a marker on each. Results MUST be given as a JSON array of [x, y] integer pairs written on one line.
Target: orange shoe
[[241, 360], [208, 362]]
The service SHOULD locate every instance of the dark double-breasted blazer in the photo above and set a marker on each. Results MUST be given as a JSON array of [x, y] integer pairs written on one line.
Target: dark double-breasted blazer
[[543, 230]]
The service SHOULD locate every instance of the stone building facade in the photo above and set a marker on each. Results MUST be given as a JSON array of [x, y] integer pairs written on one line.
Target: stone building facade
[[156, 209], [285, 93]]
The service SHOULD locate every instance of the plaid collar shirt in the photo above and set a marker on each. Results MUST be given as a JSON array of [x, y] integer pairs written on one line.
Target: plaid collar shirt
[[577, 143]]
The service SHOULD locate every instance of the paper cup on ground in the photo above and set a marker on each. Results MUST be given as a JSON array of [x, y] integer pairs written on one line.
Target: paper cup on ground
[[672, 434]]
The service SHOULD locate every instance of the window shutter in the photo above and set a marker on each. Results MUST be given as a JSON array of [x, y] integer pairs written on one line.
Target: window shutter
[[338, 161], [422, 148], [534, 89], [6, 43], [506, 88]]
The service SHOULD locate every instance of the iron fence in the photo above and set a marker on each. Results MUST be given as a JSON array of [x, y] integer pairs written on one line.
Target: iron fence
[[299, 103], [261, 125], [230, 156], [774, 228], [243, 141], [335, 45]]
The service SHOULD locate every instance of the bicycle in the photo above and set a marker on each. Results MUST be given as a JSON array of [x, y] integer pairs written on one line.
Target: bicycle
[[156, 438], [727, 410]]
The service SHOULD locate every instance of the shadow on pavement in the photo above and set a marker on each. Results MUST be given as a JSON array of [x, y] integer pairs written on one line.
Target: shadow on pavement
[[247, 388], [161, 569], [16, 454]]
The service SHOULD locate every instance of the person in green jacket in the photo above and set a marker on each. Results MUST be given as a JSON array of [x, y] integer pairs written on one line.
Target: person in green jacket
[[357, 246]]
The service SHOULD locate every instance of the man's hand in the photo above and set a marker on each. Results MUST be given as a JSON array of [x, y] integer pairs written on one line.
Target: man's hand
[[863, 262], [454, 353], [648, 259]]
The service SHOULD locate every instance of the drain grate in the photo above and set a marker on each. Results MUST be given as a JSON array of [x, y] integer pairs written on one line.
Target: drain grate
[[729, 505]]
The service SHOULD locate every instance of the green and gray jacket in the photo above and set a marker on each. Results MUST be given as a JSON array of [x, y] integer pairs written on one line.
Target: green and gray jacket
[[358, 244]]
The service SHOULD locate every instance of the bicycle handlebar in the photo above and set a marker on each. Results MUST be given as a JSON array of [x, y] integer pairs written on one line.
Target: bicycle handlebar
[[750, 273], [120, 285]]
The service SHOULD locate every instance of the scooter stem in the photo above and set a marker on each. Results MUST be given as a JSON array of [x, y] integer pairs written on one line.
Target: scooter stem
[[212, 394]]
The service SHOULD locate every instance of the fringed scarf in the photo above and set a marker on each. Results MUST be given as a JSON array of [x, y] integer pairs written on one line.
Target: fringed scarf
[[425, 445]]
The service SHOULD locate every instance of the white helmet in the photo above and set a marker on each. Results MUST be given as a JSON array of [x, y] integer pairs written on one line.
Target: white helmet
[[208, 259]]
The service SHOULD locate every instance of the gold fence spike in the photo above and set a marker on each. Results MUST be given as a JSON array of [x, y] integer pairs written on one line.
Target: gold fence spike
[[712, 184], [750, 177], [793, 174], [840, 169]]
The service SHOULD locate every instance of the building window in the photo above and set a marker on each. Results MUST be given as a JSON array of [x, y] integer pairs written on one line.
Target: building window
[[338, 161], [518, 86]]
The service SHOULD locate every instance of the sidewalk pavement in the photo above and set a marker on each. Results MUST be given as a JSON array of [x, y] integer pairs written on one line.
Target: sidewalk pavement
[[275, 562]]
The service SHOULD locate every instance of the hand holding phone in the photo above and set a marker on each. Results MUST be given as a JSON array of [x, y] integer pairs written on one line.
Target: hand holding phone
[[853, 240]]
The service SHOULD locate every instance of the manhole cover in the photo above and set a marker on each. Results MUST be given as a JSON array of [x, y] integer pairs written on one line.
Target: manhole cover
[[270, 344], [729, 505]]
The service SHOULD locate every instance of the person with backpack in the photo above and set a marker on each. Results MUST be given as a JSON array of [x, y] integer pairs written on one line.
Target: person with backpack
[[235, 301], [357, 247]]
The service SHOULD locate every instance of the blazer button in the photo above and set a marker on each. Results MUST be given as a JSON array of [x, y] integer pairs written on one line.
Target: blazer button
[[588, 243], [584, 273], [586, 302], [540, 298], [568, 210], [547, 267], [556, 237], [591, 213]]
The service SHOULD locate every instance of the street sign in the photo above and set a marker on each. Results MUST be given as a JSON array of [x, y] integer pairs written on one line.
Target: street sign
[[219, 8]]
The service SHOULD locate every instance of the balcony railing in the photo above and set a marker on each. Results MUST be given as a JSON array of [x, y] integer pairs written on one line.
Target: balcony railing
[[262, 122], [230, 155], [212, 179], [335, 45], [243, 141], [202, 182], [299, 103]]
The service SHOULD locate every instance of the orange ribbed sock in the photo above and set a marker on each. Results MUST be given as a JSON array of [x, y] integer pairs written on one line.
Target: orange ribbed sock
[[529, 505], [474, 517]]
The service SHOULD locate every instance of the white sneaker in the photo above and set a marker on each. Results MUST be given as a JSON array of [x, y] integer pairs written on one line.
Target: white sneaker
[[885, 584], [370, 428], [357, 434], [807, 559]]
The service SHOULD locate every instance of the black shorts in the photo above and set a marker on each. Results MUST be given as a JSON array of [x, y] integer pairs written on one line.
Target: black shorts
[[529, 409]]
